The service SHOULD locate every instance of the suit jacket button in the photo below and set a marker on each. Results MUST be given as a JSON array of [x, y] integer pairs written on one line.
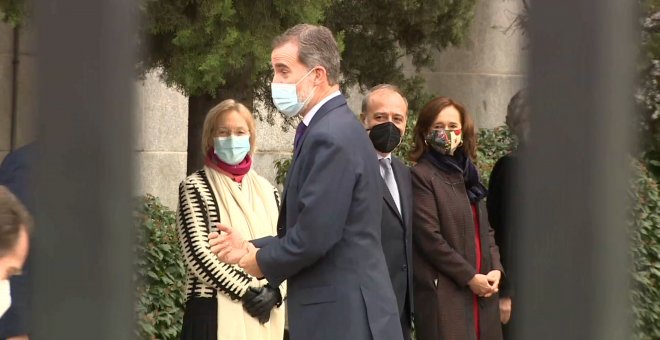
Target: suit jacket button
[[404, 268]]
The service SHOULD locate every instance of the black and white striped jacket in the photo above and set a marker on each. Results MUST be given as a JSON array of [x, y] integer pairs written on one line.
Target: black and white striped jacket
[[197, 210]]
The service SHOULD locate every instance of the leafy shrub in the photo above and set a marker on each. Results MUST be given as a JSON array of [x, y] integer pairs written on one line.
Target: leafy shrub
[[403, 150], [161, 274], [645, 227], [282, 166]]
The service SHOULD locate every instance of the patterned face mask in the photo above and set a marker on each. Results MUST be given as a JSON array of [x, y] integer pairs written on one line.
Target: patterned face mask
[[445, 141]]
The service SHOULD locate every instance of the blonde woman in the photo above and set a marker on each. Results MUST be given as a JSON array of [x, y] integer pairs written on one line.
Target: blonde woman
[[224, 302]]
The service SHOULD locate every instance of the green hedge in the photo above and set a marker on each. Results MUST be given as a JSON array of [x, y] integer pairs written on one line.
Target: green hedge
[[161, 274], [645, 228]]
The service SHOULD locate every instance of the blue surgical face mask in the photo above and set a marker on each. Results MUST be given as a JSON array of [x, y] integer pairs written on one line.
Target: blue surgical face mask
[[285, 97], [233, 149]]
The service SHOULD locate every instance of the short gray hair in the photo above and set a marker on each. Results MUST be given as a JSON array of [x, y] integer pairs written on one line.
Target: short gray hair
[[316, 47], [393, 88]]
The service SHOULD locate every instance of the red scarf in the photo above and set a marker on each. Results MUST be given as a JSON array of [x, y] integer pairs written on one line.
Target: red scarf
[[236, 172]]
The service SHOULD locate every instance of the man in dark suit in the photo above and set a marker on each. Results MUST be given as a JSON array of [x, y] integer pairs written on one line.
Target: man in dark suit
[[384, 115], [328, 246]]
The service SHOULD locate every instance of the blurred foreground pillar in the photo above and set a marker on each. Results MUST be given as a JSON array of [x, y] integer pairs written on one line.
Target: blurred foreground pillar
[[82, 249], [572, 246]]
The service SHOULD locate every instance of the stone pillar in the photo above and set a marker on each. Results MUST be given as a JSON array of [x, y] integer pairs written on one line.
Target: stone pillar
[[488, 68], [6, 48], [25, 87], [161, 139]]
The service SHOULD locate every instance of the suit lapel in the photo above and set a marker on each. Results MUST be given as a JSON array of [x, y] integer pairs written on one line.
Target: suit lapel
[[322, 112], [404, 190], [387, 196]]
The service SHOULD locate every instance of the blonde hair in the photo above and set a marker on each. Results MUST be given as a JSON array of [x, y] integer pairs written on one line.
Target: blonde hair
[[226, 106]]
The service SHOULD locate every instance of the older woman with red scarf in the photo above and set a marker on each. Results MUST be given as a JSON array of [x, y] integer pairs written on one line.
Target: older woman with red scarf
[[223, 301]]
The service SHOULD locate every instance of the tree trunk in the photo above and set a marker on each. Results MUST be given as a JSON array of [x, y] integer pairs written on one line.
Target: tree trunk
[[199, 106]]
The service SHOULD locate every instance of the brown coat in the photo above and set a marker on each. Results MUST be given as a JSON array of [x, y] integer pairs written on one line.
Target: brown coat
[[444, 253]]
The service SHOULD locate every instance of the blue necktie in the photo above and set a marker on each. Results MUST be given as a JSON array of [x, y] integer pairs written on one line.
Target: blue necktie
[[300, 130]]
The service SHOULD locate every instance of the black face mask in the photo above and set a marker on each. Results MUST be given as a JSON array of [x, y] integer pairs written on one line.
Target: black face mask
[[385, 137]]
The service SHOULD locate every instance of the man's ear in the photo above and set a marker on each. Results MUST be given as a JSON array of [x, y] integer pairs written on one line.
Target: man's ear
[[363, 118], [319, 74]]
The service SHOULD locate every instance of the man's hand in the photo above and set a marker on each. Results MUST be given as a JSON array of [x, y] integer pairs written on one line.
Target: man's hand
[[494, 277], [505, 310], [480, 286], [20, 337], [249, 262], [261, 301], [229, 246]]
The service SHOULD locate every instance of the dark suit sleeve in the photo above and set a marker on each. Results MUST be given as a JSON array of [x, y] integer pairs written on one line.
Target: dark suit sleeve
[[494, 249], [262, 242], [324, 199], [12, 176], [498, 211], [428, 239]]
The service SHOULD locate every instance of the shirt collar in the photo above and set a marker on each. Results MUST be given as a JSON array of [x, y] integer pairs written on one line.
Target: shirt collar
[[389, 156], [308, 117]]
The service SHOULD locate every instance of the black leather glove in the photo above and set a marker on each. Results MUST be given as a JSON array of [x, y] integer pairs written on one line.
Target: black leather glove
[[261, 301], [250, 294]]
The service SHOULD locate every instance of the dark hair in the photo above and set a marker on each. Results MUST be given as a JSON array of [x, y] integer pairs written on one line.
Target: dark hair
[[517, 111], [316, 47], [13, 218], [428, 116], [393, 88]]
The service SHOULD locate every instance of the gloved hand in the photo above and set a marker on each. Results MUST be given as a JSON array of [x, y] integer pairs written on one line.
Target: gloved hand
[[250, 294], [258, 302]]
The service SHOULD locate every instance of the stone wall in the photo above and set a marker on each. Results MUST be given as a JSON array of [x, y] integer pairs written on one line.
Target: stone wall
[[161, 139], [488, 68], [161, 118]]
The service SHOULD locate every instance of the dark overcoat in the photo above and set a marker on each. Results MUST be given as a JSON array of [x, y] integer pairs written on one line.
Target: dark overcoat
[[444, 258]]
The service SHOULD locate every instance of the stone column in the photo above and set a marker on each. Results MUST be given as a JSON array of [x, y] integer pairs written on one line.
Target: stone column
[[161, 139], [6, 48], [488, 68], [25, 87]]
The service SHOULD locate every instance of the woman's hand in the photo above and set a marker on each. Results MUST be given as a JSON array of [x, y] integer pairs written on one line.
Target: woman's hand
[[494, 277], [505, 310], [480, 286], [230, 247]]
